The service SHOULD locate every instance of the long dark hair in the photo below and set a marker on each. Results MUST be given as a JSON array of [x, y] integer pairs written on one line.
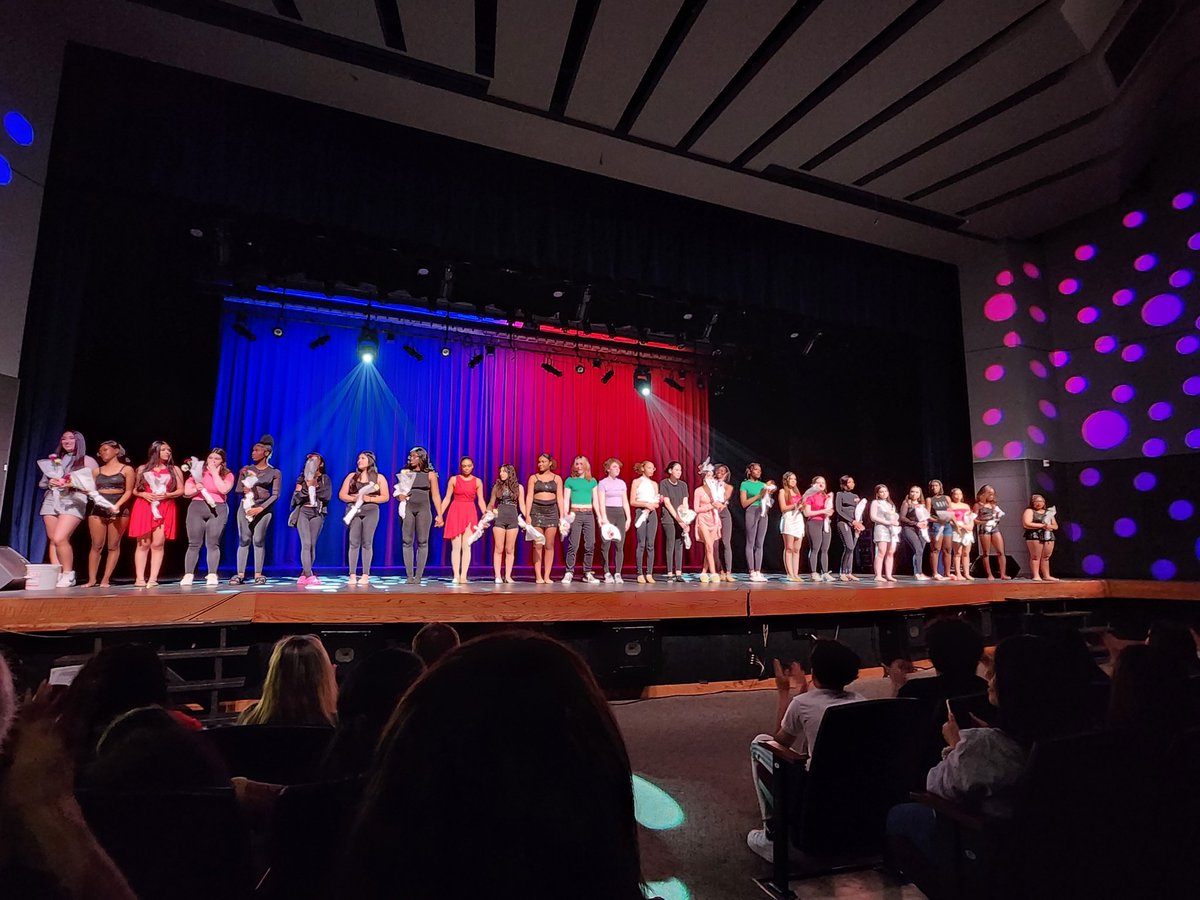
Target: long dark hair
[[153, 462], [548, 817], [372, 467], [510, 481], [423, 463], [223, 471], [78, 455]]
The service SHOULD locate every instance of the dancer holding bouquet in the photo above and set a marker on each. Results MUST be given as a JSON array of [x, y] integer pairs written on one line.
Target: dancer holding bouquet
[[1040, 524], [645, 498], [723, 494], [849, 524], [543, 508], [365, 490], [580, 490], [416, 486], [310, 505], [962, 537], [507, 501], [64, 505], [259, 484], [674, 493], [708, 525], [755, 498], [464, 493], [152, 522], [614, 520], [914, 525], [817, 509], [114, 481], [791, 524], [987, 518], [886, 532], [208, 484]]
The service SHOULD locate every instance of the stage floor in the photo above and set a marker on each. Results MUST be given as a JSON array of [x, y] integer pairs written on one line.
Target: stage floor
[[389, 599]]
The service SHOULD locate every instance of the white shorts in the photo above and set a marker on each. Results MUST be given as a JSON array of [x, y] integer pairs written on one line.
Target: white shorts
[[69, 503], [791, 523]]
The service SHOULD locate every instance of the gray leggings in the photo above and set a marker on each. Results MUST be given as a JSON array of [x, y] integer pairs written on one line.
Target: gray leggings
[[724, 549], [309, 523], [584, 527], [756, 536], [818, 545], [912, 539], [253, 530], [418, 518], [849, 539], [204, 527], [672, 543], [362, 536], [645, 544], [616, 515]]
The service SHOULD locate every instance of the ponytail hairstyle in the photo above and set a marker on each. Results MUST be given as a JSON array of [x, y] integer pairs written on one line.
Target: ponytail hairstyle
[[639, 468], [121, 457], [750, 467], [672, 464], [844, 481], [545, 454], [267, 443]]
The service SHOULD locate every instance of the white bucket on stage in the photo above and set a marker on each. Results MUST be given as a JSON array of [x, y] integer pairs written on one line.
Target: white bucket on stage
[[41, 578]]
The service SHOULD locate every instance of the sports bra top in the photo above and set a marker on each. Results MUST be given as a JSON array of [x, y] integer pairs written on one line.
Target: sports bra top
[[544, 487], [111, 483]]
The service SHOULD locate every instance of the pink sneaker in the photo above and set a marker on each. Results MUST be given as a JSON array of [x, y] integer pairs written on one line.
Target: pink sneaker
[[302, 580], [313, 579]]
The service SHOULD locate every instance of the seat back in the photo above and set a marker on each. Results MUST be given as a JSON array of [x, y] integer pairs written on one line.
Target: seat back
[[311, 825], [174, 845], [863, 763], [277, 754]]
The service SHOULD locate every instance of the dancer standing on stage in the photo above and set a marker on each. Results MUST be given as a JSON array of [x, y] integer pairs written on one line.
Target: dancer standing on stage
[[464, 493], [544, 507], [914, 526], [207, 514], [724, 548], [114, 480], [987, 518], [152, 522], [674, 493], [751, 492], [961, 545], [507, 501], [645, 498], [886, 533], [583, 509], [850, 525], [708, 529], [64, 505], [791, 524], [1040, 524], [418, 514], [941, 532], [259, 484], [310, 505], [614, 515], [365, 490], [818, 507]]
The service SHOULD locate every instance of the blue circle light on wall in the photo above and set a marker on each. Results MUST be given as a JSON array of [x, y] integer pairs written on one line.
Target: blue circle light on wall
[[19, 128], [5, 171]]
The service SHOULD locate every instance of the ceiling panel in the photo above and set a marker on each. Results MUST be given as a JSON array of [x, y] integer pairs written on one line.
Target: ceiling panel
[[623, 41], [530, 38], [935, 42], [441, 32], [823, 43], [262, 6], [724, 36], [354, 19]]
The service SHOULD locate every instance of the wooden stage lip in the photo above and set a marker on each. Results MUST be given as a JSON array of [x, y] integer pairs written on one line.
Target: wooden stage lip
[[284, 604]]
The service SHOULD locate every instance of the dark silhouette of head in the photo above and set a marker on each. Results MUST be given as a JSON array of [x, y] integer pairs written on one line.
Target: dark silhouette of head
[[955, 647], [833, 665], [434, 641]]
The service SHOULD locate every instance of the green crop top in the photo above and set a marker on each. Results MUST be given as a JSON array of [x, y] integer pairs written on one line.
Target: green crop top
[[581, 490]]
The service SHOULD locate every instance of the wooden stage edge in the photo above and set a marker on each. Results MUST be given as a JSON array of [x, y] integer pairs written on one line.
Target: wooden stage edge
[[85, 610]]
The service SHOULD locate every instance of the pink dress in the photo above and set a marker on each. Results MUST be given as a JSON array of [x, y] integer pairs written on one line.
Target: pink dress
[[462, 515], [706, 513]]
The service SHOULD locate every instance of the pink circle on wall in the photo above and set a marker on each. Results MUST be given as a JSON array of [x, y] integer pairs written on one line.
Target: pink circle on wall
[[1000, 307], [1087, 315], [1084, 252], [1037, 368], [1004, 278], [1068, 286], [1013, 449], [1123, 297], [1031, 271], [993, 417], [982, 449], [993, 372], [1105, 344], [1012, 339]]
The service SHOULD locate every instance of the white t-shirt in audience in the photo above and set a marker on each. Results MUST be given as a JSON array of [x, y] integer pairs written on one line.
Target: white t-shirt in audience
[[984, 767], [805, 712]]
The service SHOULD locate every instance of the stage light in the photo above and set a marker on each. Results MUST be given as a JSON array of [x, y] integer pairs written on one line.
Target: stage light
[[318, 342], [445, 352], [413, 352], [581, 312], [196, 232], [277, 331], [812, 342], [474, 360], [422, 271], [672, 383], [709, 327], [641, 381], [794, 335], [368, 344], [558, 295], [580, 368], [607, 376], [549, 367], [687, 317], [240, 328], [596, 364]]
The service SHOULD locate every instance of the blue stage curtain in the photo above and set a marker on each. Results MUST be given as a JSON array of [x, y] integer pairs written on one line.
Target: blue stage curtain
[[505, 410]]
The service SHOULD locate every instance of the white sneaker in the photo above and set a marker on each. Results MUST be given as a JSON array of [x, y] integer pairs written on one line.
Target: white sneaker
[[566, 579], [591, 579], [211, 579], [829, 576], [66, 579], [187, 580], [499, 581], [608, 579], [758, 841], [618, 579]]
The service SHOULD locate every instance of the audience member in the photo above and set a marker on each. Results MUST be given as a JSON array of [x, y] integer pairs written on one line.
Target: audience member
[[506, 758], [798, 719], [365, 703], [1149, 691], [8, 699], [300, 687], [1179, 641], [955, 649], [434, 641]]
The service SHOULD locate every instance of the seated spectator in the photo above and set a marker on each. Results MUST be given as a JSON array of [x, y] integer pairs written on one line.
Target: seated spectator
[[1179, 642], [365, 703], [300, 687], [503, 757], [1149, 691], [434, 641], [834, 665], [955, 649]]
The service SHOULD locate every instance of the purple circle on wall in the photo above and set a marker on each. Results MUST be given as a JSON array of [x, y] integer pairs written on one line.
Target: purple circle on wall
[[1125, 527], [1068, 286], [1105, 429], [1162, 309], [1038, 368], [1133, 353], [1133, 219], [1087, 315], [1037, 314], [1036, 434], [1093, 564], [1181, 510], [1145, 481], [1160, 411], [1106, 343], [1183, 200], [1154, 447], [1004, 278], [992, 416], [1074, 531], [1187, 345], [982, 449], [1123, 393], [1180, 278], [1194, 241], [1090, 477], [1030, 270], [993, 372], [1084, 252], [1076, 384], [1000, 307], [1123, 297], [1059, 358], [1192, 439], [1191, 386], [1163, 569], [1013, 449], [1012, 339], [1048, 409], [1145, 262]]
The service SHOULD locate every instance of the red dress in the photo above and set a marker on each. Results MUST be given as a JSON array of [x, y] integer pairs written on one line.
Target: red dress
[[462, 515], [141, 519]]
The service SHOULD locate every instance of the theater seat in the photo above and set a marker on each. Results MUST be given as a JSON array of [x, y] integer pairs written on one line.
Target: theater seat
[[311, 824], [275, 754]]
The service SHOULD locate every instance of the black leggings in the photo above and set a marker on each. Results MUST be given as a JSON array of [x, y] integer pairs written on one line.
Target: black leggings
[[912, 539], [309, 523], [818, 546], [724, 550], [252, 530], [645, 544], [418, 519], [362, 536], [849, 539], [616, 515], [672, 543], [204, 527]]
